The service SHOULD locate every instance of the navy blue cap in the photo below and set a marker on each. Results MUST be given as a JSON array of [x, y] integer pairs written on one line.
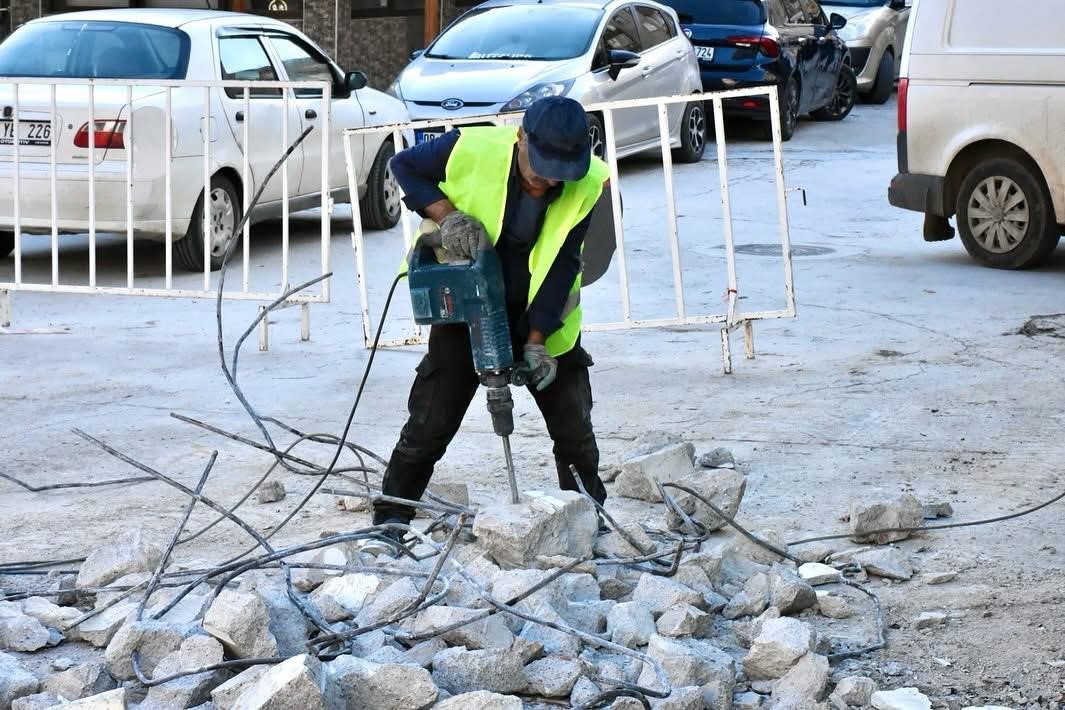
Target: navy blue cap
[[557, 131]]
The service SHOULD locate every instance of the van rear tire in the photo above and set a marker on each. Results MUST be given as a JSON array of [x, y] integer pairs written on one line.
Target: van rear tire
[[1005, 215]]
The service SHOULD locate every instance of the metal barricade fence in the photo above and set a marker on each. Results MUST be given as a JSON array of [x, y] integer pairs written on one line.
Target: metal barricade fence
[[731, 319], [183, 107]]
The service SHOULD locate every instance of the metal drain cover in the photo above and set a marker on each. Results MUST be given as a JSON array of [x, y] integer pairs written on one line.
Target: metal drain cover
[[777, 250]]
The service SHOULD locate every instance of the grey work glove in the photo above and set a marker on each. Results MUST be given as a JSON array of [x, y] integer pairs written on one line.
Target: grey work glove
[[542, 367], [462, 235]]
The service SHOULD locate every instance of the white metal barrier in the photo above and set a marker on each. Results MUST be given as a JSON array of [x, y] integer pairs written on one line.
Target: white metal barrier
[[731, 319], [160, 162]]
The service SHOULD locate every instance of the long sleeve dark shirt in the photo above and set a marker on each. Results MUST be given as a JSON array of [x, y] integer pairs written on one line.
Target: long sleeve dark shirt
[[420, 170]]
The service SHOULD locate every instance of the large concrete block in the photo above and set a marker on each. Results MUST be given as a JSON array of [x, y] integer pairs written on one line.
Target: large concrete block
[[630, 624], [484, 632], [870, 514], [779, 646], [721, 486], [668, 464], [19, 632], [357, 684], [15, 680], [111, 700], [153, 641], [341, 598], [294, 684], [100, 629], [457, 670], [559, 523], [658, 594], [80, 682], [693, 662], [241, 622], [129, 552], [480, 700], [190, 691]]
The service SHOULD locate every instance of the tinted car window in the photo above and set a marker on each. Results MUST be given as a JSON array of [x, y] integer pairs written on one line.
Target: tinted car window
[[621, 33], [244, 59], [654, 26], [532, 32], [719, 12], [95, 50], [794, 12], [301, 64]]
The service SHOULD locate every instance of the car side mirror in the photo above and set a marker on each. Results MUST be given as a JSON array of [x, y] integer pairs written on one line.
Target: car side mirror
[[355, 80], [838, 21], [619, 59], [416, 53]]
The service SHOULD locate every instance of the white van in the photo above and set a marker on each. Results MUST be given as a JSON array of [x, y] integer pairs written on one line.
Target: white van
[[981, 107]]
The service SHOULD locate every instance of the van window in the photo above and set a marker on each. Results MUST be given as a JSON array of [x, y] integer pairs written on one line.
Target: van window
[[984, 24]]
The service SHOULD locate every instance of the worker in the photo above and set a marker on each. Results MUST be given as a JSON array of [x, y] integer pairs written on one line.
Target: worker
[[528, 192]]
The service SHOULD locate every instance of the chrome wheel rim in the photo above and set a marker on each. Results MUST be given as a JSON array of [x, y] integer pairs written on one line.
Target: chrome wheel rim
[[596, 138], [696, 128], [390, 191], [223, 221], [998, 214]]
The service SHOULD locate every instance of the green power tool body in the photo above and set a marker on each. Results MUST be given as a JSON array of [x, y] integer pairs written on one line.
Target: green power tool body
[[472, 293]]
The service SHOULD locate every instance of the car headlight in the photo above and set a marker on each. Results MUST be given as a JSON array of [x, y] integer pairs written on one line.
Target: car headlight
[[393, 90], [526, 98], [857, 28]]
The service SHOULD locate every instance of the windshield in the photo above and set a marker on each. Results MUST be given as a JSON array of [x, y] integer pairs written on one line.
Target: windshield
[[95, 50], [528, 32], [722, 12]]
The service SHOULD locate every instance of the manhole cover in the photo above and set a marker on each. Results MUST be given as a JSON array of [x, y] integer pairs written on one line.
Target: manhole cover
[[777, 250]]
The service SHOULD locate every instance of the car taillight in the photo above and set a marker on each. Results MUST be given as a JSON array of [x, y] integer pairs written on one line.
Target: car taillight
[[766, 45], [904, 87], [108, 134]]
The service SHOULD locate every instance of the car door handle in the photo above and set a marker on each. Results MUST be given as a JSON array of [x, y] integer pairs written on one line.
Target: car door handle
[[646, 69], [240, 117], [310, 114]]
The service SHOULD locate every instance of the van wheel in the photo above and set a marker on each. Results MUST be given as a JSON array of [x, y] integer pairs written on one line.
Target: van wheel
[[885, 80], [380, 207], [597, 136], [1005, 216], [225, 216], [7, 244], [692, 134], [842, 99]]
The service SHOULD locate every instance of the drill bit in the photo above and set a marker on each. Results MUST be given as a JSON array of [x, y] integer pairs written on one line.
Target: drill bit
[[510, 470]]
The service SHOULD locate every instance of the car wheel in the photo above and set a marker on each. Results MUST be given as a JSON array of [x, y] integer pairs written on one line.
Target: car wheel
[[224, 218], [789, 112], [692, 134], [380, 207], [7, 243], [842, 98], [1005, 216], [597, 136], [885, 80]]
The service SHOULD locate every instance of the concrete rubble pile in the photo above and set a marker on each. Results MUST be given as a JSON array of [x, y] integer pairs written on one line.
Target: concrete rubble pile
[[724, 624]]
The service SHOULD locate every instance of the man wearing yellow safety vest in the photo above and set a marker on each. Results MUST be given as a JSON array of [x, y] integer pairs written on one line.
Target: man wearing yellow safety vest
[[529, 192]]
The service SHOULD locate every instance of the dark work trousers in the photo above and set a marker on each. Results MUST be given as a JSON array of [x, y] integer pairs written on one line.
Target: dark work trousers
[[443, 388]]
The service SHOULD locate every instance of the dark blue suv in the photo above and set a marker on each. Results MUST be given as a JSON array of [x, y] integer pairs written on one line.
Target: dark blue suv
[[789, 44]]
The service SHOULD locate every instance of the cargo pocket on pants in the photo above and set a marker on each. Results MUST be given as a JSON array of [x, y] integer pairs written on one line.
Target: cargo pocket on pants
[[420, 400]]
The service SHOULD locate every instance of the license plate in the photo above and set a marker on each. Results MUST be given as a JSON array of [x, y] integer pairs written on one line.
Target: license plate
[[426, 136], [704, 54], [30, 133]]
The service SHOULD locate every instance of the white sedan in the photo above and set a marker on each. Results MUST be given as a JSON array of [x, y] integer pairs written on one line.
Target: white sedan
[[142, 45]]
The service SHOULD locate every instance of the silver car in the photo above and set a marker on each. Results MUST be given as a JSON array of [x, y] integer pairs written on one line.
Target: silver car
[[504, 54], [874, 33]]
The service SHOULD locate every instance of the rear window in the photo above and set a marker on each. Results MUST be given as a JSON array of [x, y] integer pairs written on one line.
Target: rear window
[[719, 12], [95, 50], [519, 32]]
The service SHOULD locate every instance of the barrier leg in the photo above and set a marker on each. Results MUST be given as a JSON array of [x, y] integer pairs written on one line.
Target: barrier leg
[[748, 338], [264, 332], [5, 309], [726, 351], [305, 322]]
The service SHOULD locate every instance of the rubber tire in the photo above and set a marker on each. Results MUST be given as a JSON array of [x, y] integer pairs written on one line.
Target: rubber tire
[[1042, 234], [687, 153], [789, 119], [373, 206], [596, 124], [7, 244], [831, 113], [189, 251], [884, 81]]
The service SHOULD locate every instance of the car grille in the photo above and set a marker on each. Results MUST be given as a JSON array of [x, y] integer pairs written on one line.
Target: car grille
[[859, 56], [474, 104]]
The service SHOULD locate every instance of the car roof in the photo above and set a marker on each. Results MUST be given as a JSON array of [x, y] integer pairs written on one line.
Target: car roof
[[597, 4], [163, 17]]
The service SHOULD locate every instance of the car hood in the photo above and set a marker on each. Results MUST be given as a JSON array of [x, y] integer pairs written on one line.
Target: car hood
[[478, 80], [861, 21]]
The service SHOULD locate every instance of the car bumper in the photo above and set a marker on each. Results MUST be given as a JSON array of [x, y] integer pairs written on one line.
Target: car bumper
[[864, 70], [920, 193], [750, 106]]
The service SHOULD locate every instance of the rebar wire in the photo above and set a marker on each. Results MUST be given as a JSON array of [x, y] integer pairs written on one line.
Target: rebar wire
[[58, 486], [33, 564], [881, 639], [602, 699], [602, 511], [225, 665]]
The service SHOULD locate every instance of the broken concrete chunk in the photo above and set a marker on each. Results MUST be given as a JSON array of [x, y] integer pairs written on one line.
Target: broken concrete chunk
[[294, 683], [483, 631], [718, 458], [460, 671], [804, 683], [708, 562], [49, 614], [832, 606], [241, 622], [889, 562], [932, 511], [666, 464], [270, 492], [559, 523], [15, 680], [341, 598], [357, 684], [80, 682], [693, 662], [869, 515], [100, 629], [901, 699], [306, 579], [514, 583], [579, 587], [752, 600], [658, 594], [683, 620], [225, 696], [694, 578], [816, 574], [153, 641], [422, 654], [689, 698], [929, 619], [190, 691], [855, 690], [19, 632], [722, 487], [386, 655], [37, 701], [583, 691], [287, 623], [614, 544], [778, 648], [748, 701], [121, 588], [129, 552], [747, 631], [630, 624], [940, 577], [816, 552], [553, 562], [552, 677], [555, 642], [480, 700], [589, 617], [111, 700], [613, 588], [788, 592], [353, 504]]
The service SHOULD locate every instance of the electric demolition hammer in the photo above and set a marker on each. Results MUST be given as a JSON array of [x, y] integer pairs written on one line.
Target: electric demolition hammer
[[471, 292]]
